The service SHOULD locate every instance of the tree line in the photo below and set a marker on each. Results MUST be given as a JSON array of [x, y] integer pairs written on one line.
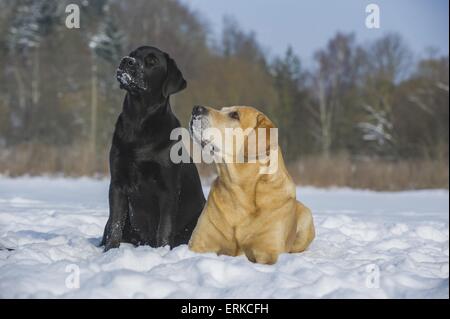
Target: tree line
[[59, 98]]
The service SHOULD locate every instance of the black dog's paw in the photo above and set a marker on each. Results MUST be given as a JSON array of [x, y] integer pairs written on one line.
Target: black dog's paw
[[164, 240], [162, 243], [111, 244], [112, 237]]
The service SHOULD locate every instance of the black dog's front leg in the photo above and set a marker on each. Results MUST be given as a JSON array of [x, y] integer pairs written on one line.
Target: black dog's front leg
[[168, 209], [118, 211], [169, 205]]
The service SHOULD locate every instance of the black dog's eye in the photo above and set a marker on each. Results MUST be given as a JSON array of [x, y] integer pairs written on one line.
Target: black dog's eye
[[234, 115], [151, 60]]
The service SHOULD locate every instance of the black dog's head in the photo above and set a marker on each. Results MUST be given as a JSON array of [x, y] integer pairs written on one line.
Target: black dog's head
[[149, 70]]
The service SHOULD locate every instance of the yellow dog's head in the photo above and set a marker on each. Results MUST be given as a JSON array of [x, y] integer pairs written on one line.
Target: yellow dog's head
[[233, 134]]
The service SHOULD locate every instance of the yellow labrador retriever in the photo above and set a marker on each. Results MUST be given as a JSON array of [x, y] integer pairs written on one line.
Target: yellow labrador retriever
[[248, 211]]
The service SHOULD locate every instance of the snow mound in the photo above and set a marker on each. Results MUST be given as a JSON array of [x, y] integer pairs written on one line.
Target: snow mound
[[368, 245]]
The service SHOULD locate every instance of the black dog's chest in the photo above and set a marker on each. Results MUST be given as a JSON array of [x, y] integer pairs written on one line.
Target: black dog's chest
[[148, 172], [138, 172]]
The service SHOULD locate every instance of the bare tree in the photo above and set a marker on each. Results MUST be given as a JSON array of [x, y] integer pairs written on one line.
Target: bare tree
[[336, 74], [388, 61]]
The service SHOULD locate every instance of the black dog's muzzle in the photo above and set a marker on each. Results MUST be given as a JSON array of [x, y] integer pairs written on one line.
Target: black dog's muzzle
[[199, 110], [130, 74]]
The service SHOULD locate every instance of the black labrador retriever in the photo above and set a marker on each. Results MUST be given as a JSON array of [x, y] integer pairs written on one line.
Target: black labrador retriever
[[152, 201]]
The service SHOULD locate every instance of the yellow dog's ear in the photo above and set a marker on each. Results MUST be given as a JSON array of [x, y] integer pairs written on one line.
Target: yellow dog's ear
[[263, 124], [258, 143]]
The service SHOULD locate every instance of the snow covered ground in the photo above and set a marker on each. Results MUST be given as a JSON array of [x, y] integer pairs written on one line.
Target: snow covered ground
[[368, 245]]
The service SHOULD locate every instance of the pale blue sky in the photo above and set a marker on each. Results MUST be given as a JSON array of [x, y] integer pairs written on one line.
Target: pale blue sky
[[307, 25]]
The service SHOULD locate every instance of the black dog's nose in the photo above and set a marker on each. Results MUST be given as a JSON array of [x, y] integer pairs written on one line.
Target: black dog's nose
[[199, 110], [127, 61]]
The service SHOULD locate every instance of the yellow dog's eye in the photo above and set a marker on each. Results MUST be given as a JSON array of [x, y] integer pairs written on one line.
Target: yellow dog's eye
[[234, 115]]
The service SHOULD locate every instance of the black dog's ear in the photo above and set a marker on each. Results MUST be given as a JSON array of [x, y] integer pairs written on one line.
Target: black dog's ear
[[174, 80]]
